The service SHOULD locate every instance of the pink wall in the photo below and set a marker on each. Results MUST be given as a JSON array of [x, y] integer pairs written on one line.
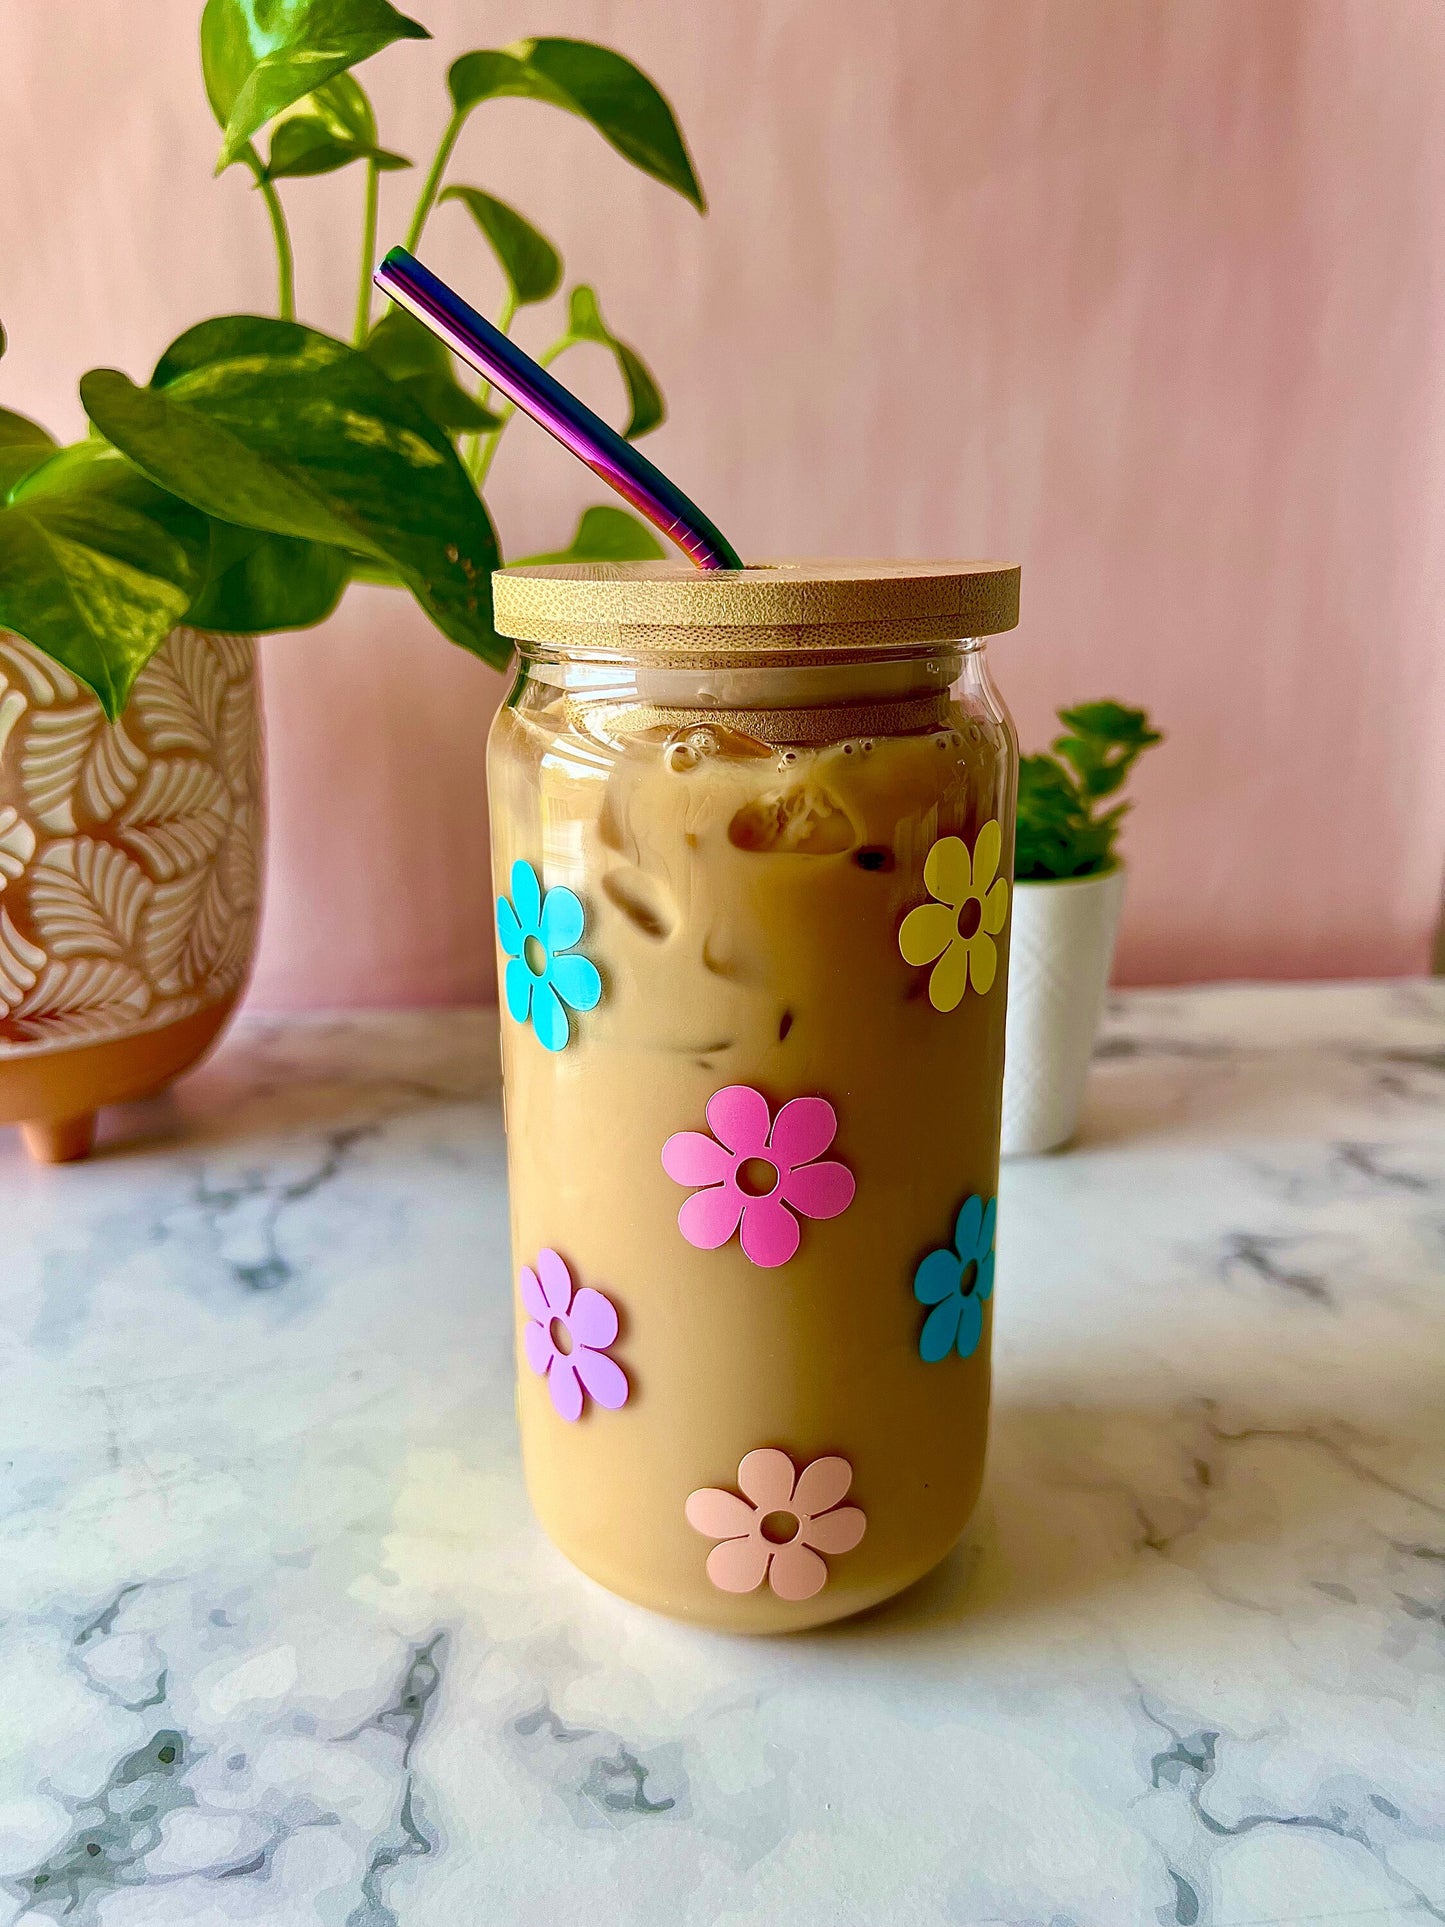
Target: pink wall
[[1146, 293]]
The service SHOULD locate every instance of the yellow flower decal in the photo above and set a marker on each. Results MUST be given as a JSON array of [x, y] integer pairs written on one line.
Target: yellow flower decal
[[958, 930]]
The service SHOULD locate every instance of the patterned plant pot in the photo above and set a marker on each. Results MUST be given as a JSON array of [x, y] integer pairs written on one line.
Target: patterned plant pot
[[130, 868], [1060, 955]]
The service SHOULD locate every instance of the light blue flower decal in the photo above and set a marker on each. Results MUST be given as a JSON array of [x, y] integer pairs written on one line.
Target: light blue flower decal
[[956, 1281], [534, 931]]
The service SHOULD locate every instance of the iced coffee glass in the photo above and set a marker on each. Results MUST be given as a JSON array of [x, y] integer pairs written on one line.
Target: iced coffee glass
[[752, 838]]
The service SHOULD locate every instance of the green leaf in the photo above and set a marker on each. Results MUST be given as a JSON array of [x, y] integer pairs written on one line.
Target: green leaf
[[24, 445], [605, 535], [416, 361], [488, 73], [441, 397], [305, 145], [601, 86], [448, 404], [1111, 721], [344, 105], [585, 323], [259, 57], [97, 566], [327, 130], [4, 340], [365, 568], [274, 426], [1053, 821], [258, 583], [532, 265], [1106, 740]]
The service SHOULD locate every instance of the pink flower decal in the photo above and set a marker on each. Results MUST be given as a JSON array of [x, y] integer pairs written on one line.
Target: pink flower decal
[[756, 1167], [566, 1336], [781, 1526]]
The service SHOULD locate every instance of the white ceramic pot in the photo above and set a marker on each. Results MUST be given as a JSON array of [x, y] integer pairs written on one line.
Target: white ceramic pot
[[1061, 948]]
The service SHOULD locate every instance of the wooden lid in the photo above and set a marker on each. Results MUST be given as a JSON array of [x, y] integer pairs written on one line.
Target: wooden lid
[[671, 607]]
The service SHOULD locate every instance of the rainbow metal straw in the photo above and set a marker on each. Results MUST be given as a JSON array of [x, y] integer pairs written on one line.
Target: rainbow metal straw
[[539, 395]]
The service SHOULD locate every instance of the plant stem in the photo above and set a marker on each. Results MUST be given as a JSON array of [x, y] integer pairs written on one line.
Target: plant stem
[[368, 254], [432, 184], [285, 272], [486, 449]]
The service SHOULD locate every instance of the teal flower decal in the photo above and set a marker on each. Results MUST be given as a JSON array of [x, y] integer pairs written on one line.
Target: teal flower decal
[[534, 931], [955, 1281]]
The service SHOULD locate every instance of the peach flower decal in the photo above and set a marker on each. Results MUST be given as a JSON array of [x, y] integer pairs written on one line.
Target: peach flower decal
[[959, 928], [781, 1526], [756, 1167], [566, 1336]]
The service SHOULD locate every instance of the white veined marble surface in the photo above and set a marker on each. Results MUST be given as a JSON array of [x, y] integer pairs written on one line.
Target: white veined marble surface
[[279, 1641]]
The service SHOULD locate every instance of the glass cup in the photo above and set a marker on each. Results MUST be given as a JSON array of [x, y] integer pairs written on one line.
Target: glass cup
[[752, 838]]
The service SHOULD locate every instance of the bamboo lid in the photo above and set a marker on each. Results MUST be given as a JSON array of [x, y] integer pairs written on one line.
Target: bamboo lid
[[673, 608]]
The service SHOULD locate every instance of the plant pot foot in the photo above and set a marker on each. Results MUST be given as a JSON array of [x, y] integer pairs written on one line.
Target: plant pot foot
[[62, 1141]]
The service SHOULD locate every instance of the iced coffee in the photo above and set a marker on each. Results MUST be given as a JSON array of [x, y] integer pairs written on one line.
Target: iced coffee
[[752, 838]]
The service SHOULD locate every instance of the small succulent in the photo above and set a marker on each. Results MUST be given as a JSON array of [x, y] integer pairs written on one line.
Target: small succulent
[[1061, 833]]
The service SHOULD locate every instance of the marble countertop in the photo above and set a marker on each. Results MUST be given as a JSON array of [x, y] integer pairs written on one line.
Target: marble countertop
[[279, 1641]]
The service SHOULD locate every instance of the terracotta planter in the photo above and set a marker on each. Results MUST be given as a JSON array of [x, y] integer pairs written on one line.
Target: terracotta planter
[[130, 869]]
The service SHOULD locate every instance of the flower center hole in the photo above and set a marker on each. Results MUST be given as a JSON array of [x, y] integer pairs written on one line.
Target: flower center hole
[[535, 952], [969, 1278], [757, 1177], [780, 1528], [969, 918], [561, 1337]]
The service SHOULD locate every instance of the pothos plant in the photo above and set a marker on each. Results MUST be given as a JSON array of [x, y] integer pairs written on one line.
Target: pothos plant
[[1062, 831], [266, 463]]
